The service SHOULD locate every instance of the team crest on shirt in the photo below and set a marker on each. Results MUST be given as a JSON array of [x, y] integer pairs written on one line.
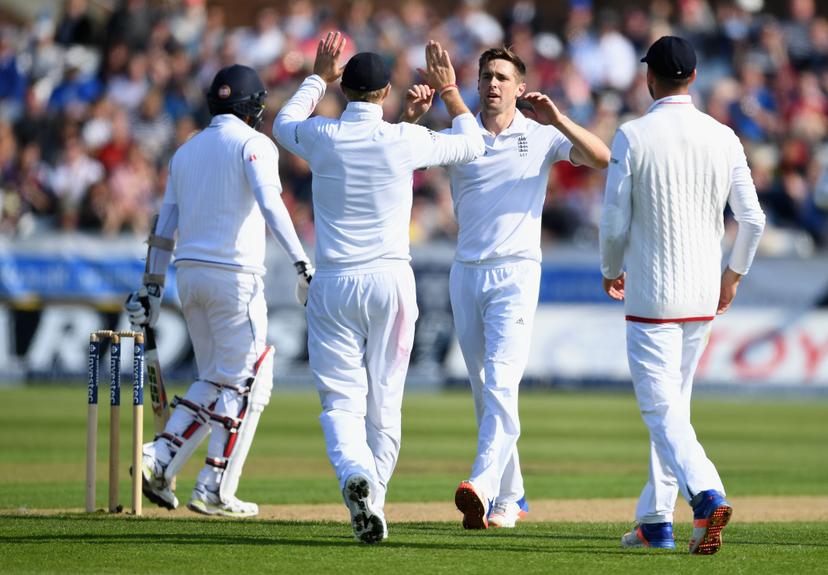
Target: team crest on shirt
[[252, 157], [523, 146]]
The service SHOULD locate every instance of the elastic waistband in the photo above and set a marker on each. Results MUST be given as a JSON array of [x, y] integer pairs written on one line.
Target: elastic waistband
[[497, 262], [193, 263], [362, 269]]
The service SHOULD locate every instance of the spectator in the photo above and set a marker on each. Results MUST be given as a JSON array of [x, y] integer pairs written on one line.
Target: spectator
[[80, 87], [114, 152], [129, 89], [26, 192], [12, 79], [76, 26], [264, 43], [71, 181], [152, 127], [131, 190], [765, 75], [617, 54]]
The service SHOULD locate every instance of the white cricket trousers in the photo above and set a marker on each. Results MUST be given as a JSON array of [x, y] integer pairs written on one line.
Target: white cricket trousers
[[663, 359], [226, 317], [494, 309], [360, 334]]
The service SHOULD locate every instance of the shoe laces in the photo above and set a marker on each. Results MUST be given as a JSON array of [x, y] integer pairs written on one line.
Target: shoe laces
[[500, 509]]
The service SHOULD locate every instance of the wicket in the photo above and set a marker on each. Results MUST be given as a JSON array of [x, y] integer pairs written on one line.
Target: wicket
[[95, 339]]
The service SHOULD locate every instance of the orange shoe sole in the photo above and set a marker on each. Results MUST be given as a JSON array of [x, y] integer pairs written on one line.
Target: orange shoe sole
[[473, 508], [711, 541]]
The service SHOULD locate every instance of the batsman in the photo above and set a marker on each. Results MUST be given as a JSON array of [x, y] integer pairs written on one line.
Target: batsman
[[223, 190]]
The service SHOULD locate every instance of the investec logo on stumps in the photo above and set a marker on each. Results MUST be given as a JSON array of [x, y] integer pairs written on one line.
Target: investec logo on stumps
[[92, 367], [115, 375], [138, 374]]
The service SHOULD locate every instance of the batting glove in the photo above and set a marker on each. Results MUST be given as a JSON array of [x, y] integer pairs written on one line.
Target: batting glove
[[305, 271], [144, 305]]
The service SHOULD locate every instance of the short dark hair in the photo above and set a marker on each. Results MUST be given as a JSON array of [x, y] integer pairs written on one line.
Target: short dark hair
[[372, 96], [670, 84], [503, 53]]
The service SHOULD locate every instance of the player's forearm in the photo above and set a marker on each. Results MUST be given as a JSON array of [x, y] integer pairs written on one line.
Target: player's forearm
[[161, 243], [616, 213], [410, 117], [591, 150], [277, 219], [299, 108], [454, 103], [612, 253], [747, 212], [466, 126]]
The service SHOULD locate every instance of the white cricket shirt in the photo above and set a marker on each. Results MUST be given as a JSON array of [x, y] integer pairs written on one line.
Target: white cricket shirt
[[671, 173], [223, 188], [362, 174], [498, 198]]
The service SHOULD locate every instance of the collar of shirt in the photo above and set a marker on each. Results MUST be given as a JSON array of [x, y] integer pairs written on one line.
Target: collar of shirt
[[355, 111], [519, 125], [223, 119], [677, 99]]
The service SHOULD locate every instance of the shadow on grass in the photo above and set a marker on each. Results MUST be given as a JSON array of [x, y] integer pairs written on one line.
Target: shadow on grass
[[326, 534]]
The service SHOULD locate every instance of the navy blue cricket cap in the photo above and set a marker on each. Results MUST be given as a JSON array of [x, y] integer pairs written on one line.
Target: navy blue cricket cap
[[366, 72], [233, 84], [671, 57]]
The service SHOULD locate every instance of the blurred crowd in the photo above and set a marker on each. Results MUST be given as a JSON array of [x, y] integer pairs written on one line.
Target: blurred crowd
[[94, 103]]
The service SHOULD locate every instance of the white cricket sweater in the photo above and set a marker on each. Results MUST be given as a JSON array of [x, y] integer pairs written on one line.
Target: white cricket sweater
[[362, 175], [671, 174], [223, 190]]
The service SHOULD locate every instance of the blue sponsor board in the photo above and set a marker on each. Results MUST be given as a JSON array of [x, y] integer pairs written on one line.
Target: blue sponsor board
[[571, 284], [63, 277], [72, 277]]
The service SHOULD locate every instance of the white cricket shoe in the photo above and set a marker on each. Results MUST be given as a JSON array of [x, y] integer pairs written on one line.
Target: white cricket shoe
[[506, 515], [208, 502], [368, 523], [153, 484]]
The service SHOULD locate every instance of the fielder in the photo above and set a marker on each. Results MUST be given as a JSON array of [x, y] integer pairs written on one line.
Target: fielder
[[362, 306], [671, 174], [223, 190], [495, 278]]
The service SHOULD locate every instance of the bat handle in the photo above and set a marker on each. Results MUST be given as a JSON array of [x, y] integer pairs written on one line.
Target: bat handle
[[149, 332]]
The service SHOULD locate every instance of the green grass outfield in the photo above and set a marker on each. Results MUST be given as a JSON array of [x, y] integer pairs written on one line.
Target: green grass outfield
[[573, 446]]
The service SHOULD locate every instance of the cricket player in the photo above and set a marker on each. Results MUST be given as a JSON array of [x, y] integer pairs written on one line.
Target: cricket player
[[362, 307], [223, 191], [671, 175], [495, 278]]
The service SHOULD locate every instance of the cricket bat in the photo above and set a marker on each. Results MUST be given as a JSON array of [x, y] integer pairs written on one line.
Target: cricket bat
[[158, 393]]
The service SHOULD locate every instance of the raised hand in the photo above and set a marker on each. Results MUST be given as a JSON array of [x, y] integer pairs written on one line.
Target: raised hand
[[418, 101], [328, 53], [545, 108], [439, 71]]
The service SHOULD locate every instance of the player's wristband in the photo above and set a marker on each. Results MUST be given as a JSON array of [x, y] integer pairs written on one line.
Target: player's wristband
[[447, 88]]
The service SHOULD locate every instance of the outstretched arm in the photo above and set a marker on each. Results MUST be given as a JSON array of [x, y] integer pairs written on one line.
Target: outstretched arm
[[587, 148], [289, 127]]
